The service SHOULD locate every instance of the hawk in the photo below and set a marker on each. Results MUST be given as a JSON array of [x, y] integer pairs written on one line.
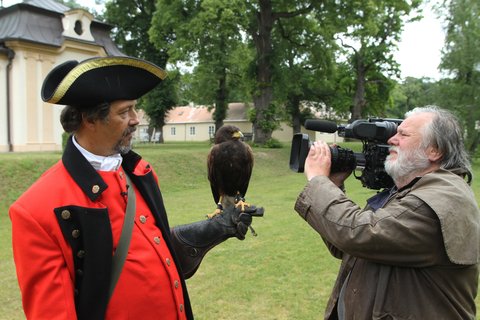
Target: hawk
[[230, 164]]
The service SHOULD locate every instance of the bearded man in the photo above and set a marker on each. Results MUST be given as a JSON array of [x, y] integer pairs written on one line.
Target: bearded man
[[413, 251]]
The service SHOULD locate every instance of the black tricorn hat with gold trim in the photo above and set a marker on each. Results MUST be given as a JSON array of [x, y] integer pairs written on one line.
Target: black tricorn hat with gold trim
[[98, 80]]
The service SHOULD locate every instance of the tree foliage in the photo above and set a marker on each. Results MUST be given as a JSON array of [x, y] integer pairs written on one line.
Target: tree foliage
[[304, 66], [372, 30], [283, 55], [132, 21], [262, 17], [206, 34], [412, 93], [461, 59]]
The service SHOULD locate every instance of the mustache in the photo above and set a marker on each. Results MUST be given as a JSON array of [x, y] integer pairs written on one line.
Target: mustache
[[129, 131]]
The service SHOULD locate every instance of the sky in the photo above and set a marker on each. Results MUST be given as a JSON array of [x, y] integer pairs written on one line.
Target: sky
[[419, 50], [420, 47]]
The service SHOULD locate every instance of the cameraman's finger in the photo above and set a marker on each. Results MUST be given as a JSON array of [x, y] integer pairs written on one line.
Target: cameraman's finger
[[312, 151], [324, 149]]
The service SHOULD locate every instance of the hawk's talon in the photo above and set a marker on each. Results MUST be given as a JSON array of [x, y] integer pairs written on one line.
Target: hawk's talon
[[240, 202], [216, 212]]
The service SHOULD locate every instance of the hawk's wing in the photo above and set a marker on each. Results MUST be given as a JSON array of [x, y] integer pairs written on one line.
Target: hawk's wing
[[246, 169], [230, 165], [212, 173]]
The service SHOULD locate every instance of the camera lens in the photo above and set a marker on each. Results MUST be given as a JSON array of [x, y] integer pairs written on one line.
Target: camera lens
[[342, 159]]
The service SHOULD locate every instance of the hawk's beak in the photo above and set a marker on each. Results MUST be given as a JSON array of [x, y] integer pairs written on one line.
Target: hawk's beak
[[237, 134]]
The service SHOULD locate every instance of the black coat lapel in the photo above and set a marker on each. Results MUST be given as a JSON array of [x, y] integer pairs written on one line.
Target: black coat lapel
[[82, 172], [89, 233]]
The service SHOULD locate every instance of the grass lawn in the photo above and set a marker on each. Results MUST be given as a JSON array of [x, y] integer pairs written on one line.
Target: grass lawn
[[283, 273]]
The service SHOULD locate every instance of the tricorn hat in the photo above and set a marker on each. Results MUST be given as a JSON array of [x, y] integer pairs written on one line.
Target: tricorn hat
[[98, 80]]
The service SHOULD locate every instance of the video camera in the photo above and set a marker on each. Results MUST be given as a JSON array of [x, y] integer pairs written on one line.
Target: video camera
[[374, 134]]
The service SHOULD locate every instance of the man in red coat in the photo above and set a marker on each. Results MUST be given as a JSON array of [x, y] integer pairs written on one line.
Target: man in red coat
[[67, 226]]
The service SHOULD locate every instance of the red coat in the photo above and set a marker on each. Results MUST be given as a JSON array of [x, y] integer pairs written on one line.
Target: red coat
[[63, 242]]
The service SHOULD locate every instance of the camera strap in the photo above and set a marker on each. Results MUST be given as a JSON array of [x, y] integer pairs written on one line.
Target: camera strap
[[120, 254]]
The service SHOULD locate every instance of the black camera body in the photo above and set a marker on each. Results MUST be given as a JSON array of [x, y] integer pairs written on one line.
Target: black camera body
[[374, 134]]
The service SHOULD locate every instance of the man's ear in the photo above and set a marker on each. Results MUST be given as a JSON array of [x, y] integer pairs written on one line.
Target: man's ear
[[88, 122], [434, 154]]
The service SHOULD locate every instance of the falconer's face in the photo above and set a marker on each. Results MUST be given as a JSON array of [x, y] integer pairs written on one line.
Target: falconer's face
[[115, 133]]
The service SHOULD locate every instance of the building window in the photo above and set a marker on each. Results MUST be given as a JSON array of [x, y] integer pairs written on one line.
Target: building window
[[211, 131], [192, 131], [173, 131], [78, 27]]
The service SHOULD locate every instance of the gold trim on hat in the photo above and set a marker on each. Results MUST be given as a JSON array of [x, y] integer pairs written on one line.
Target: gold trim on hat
[[88, 65]]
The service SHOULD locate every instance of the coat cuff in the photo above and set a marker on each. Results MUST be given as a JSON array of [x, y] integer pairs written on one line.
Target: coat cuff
[[304, 200], [316, 188]]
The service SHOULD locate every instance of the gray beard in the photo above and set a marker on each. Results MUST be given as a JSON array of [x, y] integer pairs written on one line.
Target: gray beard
[[407, 165], [122, 148]]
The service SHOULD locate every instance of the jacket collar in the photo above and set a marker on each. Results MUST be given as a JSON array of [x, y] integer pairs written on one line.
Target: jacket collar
[[86, 177]]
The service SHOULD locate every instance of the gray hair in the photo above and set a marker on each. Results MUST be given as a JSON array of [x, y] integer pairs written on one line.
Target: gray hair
[[71, 116], [445, 134]]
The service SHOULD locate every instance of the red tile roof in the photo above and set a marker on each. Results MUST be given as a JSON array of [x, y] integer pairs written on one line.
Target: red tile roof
[[197, 114]]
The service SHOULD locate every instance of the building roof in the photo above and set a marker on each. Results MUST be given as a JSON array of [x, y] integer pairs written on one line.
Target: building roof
[[187, 114], [201, 114], [41, 21], [48, 5]]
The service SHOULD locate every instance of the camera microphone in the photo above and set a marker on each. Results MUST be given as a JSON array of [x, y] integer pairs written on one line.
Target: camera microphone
[[321, 125]]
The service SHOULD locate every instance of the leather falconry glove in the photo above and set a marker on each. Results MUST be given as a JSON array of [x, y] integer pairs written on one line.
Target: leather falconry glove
[[192, 241]]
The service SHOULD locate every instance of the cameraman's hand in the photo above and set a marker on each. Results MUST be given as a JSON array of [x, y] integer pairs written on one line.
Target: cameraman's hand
[[339, 178], [319, 160]]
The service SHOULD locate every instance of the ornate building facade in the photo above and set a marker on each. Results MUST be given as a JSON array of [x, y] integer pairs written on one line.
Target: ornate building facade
[[35, 36]]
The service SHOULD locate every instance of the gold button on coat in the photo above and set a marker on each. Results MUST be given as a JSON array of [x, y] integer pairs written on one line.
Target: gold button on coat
[[76, 233], [157, 240], [168, 261], [66, 214], [175, 283], [143, 219], [95, 188], [81, 253]]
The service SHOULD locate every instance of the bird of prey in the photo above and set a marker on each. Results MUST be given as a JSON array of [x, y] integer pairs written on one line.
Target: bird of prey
[[230, 164]]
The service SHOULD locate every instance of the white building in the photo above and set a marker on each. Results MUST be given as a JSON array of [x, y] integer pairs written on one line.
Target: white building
[[195, 123]]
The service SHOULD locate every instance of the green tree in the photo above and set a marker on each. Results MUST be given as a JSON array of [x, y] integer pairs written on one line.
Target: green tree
[[461, 59], [199, 86], [262, 16], [304, 59], [373, 29], [132, 21], [206, 35], [411, 93]]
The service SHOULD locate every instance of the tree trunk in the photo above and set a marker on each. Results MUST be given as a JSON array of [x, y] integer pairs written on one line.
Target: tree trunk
[[221, 105], [160, 139], [150, 131], [263, 95], [295, 113], [359, 101]]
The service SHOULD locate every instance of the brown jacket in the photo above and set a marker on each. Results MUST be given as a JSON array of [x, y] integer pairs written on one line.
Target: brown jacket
[[416, 257]]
